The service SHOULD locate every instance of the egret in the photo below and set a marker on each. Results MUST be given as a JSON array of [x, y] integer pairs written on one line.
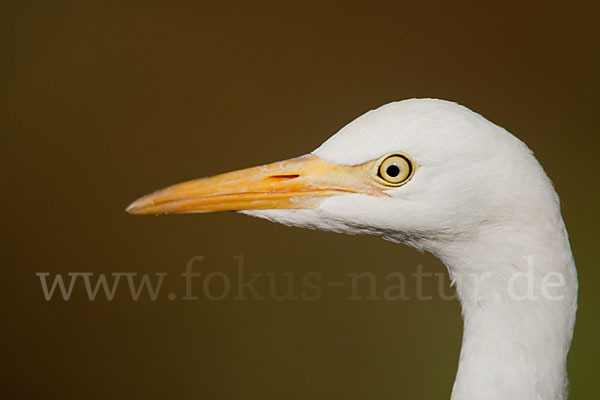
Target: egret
[[440, 178]]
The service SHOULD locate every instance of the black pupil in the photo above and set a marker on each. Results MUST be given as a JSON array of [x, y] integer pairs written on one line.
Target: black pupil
[[393, 171]]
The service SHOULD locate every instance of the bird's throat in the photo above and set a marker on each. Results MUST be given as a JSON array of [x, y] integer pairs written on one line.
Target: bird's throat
[[518, 302]]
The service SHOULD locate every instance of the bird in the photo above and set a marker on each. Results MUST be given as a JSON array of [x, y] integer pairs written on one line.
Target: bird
[[442, 179]]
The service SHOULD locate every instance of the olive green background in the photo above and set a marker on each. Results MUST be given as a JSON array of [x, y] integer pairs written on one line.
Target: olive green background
[[105, 101]]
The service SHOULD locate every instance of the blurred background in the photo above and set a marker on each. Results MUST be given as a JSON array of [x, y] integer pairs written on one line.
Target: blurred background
[[105, 101]]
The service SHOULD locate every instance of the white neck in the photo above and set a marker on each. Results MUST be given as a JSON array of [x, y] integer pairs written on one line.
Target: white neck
[[514, 348]]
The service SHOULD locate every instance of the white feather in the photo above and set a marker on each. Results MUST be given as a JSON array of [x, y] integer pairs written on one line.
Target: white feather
[[482, 203]]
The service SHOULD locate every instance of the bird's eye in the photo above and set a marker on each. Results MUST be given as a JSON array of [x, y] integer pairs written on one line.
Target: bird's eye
[[395, 169]]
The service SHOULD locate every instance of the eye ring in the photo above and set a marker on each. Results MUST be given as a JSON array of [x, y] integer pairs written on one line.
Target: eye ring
[[395, 169]]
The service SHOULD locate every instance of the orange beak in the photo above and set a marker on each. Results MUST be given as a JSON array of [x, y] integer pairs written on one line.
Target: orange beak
[[296, 183]]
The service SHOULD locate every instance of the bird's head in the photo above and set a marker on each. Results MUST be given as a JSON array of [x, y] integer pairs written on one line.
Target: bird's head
[[417, 171]]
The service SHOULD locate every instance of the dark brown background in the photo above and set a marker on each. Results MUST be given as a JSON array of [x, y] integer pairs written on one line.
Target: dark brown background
[[103, 102]]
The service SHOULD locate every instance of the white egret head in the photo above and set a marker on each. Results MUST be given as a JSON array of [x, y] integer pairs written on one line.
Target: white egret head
[[419, 171]]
